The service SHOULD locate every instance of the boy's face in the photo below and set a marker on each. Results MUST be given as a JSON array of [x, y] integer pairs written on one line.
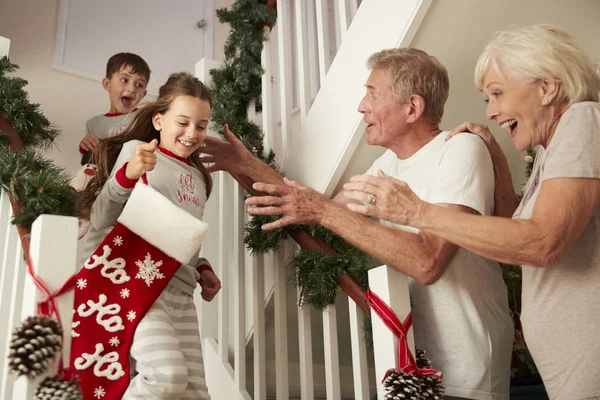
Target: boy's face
[[125, 90]]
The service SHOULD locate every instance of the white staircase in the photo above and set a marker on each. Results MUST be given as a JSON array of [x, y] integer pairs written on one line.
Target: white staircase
[[292, 352], [257, 343]]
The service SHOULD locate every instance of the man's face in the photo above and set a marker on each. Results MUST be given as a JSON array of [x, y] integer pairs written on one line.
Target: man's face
[[385, 118]]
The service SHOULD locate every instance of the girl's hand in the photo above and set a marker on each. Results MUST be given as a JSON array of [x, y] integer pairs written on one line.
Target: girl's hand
[[210, 285], [142, 160], [385, 198]]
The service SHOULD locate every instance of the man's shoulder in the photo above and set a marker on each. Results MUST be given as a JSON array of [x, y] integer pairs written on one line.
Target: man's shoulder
[[466, 139], [465, 144]]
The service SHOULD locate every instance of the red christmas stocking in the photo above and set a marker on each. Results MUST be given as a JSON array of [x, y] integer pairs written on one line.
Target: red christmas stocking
[[119, 283]]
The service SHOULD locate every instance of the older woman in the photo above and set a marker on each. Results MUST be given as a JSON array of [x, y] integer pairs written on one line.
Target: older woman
[[543, 89]]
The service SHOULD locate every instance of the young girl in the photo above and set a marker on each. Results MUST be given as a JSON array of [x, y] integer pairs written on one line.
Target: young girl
[[161, 145]]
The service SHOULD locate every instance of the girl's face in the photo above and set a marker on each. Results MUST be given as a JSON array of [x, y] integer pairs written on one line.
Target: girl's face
[[183, 126]]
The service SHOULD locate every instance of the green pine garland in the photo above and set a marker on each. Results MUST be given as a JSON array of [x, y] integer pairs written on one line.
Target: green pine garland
[[33, 127], [238, 86], [38, 186]]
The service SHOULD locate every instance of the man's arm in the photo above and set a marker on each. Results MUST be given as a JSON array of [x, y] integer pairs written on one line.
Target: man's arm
[[232, 156], [421, 256]]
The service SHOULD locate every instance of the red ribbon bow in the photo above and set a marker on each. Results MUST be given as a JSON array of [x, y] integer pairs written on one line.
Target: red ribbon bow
[[48, 307], [406, 361]]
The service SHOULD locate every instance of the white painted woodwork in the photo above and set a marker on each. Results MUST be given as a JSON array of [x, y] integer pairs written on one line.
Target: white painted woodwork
[[281, 342], [225, 233], [267, 95], [305, 351], [392, 287], [239, 268], [359, 352], [342, 9], [284, 32], [89, 32], [333, 128], [12, 278], [4, 46], [332, 362], [260, 358], [302, 59], [53, 240], [219, 375], [14, 260], [323, 38]]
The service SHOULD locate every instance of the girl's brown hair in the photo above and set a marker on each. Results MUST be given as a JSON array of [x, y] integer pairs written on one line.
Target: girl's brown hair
[[141, 128]]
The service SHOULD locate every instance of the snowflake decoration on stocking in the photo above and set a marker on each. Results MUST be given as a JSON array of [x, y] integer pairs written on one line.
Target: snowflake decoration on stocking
[[149, 270], [118, 241], [114, 341], [99, 392], [131, 315], [81, 283], [125, 293]]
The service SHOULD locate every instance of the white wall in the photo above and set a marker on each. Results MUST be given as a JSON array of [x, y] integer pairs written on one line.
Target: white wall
[[67, 100], [456, 31]]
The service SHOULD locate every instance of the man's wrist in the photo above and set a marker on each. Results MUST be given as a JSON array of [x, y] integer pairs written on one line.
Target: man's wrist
[[328, 213]]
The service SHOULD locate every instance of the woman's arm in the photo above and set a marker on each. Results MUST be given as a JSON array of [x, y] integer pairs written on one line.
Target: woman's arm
[[562, 211], [506, 200]]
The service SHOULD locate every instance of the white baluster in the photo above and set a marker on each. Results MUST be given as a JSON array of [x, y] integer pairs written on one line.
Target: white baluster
[[332, 361], [239, 268], [53, 254], [323, 39], [224, 240], [284, 30], [392, 287], [359, 352], [305, 351], [342, 9], [260, 358], [281, 342], [302, 57]]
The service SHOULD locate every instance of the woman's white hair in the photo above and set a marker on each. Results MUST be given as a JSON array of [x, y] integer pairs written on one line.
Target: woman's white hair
[[542, 52]]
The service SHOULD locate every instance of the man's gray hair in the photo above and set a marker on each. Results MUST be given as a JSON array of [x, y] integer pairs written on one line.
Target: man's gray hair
[[415, 72]]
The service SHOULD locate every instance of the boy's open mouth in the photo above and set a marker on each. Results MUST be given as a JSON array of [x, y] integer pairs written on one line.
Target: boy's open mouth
[[126, 101]]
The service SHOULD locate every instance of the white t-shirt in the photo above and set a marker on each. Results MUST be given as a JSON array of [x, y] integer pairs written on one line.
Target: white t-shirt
[[462, 321]]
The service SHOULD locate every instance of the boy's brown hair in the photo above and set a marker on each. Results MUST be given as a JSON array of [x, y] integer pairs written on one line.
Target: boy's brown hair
[[120, 60]]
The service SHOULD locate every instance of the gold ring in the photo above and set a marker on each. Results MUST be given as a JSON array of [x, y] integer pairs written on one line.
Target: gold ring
[[372, 199]]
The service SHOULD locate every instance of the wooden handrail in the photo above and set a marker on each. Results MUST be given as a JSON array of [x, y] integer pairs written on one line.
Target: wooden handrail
[[309, 242]]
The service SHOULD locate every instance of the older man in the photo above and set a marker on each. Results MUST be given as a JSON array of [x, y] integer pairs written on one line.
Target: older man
[[459, 300]]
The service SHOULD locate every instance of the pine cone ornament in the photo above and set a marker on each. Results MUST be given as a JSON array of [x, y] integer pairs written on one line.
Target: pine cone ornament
[[58, 389], [34, 345], [403, 386], [422, 361]]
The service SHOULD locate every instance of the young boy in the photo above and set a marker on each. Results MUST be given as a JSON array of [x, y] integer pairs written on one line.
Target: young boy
[[127, 76]]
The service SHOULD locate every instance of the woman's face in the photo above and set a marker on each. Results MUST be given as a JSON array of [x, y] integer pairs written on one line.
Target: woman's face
[[518, 107]]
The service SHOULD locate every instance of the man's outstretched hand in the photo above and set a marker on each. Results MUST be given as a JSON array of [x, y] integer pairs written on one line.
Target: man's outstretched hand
[[297, 204], [228, 155]]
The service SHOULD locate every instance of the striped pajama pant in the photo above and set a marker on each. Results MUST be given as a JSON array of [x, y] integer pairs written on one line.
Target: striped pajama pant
[[166, 351]]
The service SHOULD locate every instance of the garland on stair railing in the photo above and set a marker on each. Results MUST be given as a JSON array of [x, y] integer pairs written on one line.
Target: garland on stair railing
[[35, 186], [35, 183], [238, 87]]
